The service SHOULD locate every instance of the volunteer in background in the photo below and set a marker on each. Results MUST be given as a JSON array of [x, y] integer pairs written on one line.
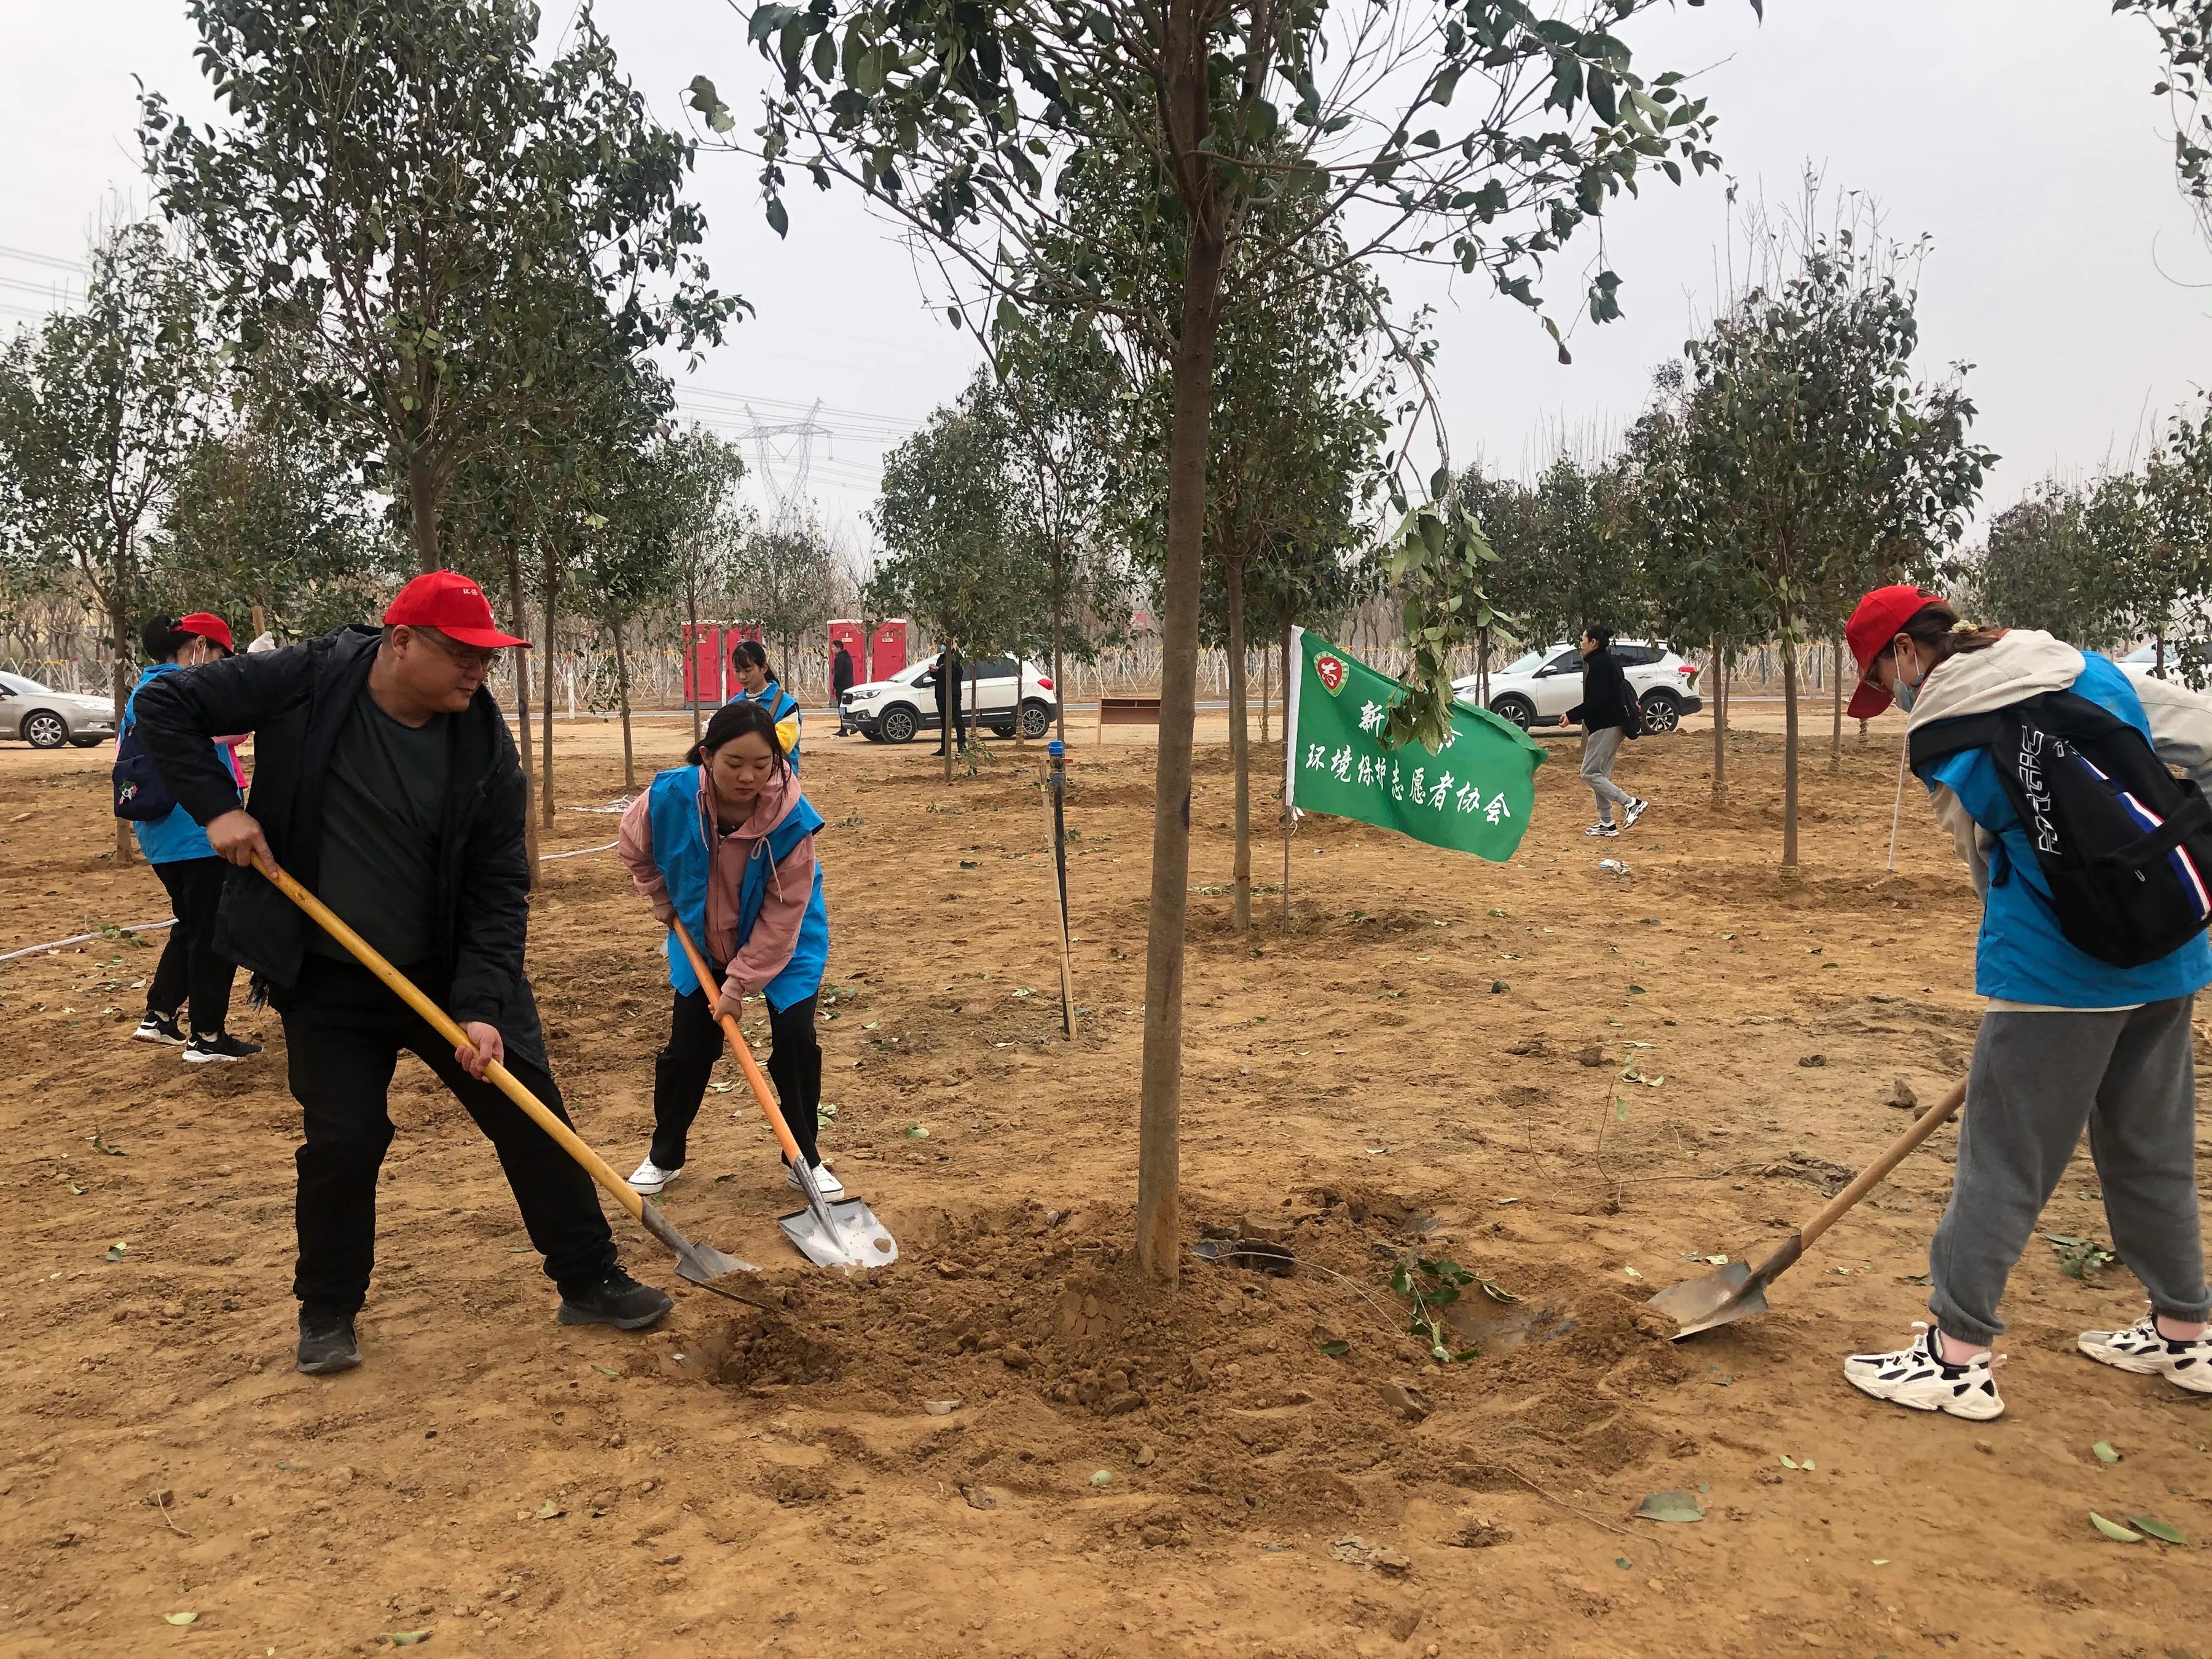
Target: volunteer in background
[[2068, 1039], [756, 683], [1608, 712], [726, 843], [192, 974], [841, 682]]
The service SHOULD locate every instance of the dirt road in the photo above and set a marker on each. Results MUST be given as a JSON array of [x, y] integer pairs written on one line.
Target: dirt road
[[1436, 1058]]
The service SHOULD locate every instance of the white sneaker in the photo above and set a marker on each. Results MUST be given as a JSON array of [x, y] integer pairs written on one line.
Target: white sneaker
[[161, 1028], [1917, 1375], [2142, 1349], [1637, 809], [1602, 830], [649, 1178], [825, 1181]]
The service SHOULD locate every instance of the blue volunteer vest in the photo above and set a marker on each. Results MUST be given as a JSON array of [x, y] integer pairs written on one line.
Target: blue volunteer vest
[[681, 853]]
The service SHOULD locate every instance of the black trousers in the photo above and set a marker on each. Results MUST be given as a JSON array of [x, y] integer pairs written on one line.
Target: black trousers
[[680, 1072], [189, 968], [343, 1034]]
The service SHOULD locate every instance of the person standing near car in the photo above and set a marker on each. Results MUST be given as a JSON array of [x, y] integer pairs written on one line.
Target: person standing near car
[[756, 683], [944, 675], [726, 843], [386, 781], [841, 682], [192, 977], [1609, 713]]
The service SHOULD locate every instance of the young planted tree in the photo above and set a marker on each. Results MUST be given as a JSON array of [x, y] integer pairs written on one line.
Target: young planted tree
[[1479, 136], [395, 176], [943, 516], [1809, 456], [2041, 568], [2159, 540], [708, 523], [786, 582], [102, 411]]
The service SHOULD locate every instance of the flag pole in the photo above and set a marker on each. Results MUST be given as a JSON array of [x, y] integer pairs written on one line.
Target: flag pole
[[1293, 676]]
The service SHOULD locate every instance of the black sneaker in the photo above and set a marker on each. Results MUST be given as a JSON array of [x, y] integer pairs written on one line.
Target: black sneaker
[[222, 1048], [327, 1344], [159, 1027], [618, 1300]]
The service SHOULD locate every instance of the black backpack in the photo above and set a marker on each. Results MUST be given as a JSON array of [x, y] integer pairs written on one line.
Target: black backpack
[[140, 793], [2124, 846]]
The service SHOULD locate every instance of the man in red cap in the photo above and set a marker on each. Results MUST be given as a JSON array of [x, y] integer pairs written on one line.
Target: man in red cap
[[386, 781]]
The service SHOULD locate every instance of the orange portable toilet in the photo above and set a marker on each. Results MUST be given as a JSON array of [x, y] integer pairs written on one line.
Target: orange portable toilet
[[887, 648], [854, 638], [705, 668]]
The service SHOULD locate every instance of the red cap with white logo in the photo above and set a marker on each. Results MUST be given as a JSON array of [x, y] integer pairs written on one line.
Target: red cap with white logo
[[453, 604]]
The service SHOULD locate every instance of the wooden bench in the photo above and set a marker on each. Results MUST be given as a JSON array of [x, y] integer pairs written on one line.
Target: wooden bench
[[1127, 711]]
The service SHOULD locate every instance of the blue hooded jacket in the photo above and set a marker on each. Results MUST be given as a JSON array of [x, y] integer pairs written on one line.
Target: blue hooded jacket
[[684, 857]]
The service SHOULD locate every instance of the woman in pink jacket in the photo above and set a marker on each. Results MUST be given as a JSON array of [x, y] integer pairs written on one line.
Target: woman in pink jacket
[[726, 843]]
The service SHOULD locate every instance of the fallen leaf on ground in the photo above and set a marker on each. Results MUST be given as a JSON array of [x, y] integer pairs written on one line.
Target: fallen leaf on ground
[[179, 1618], [1670, 1506], [548, 1509], [2113, 1529], [2157, 1528], [2105, 1453]]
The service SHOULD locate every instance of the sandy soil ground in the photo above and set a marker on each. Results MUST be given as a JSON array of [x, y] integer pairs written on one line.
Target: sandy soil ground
[[1435, 1060]]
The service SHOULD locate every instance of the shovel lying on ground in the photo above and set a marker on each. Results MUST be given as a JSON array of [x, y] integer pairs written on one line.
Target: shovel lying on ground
[[702, 1264], [1739, 1290], [845, 1234]]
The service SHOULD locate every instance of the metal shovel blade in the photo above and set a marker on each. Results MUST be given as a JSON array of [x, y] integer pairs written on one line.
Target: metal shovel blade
[[845, 1234], [702, 1264], [1719, 1297]]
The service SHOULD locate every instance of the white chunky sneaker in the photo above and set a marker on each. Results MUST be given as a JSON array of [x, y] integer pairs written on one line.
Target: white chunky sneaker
[[825, 1181], [2142, 1348], [649, 1178], [1917, 1375], [1602, 830], [1636, 809]]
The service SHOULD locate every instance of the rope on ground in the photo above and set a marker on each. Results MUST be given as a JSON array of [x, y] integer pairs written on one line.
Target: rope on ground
[[155, 926], [547, 858], [79, 939]]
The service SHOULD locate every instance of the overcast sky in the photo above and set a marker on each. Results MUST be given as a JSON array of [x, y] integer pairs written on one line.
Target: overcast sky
[[2019, 134]]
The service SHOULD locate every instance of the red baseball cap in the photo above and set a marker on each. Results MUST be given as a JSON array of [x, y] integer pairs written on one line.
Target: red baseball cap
[[451, 603], [208, 626], [1879, 618]]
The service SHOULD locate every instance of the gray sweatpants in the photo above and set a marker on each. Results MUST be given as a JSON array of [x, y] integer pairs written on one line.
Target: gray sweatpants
[[2037, 1080], [1599, 750]]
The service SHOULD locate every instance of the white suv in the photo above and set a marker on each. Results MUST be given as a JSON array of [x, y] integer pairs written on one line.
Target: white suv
[[994, 692], [1540, 688]]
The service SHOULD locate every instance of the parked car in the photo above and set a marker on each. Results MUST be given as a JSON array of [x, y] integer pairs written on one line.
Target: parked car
[[47, 719], [2181, 656], [1540, 688], [995, 693]]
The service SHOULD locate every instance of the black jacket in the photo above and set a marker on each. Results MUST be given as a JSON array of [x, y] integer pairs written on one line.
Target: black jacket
[[295, 701], [840, 671], [1607, 700]]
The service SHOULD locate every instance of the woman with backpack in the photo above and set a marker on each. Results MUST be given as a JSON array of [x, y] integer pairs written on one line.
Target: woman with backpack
[[726, 844], [191, 974], [2049, 771], [756, 683]]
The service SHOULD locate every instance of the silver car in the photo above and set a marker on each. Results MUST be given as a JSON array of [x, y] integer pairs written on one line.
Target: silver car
[[47, 719]]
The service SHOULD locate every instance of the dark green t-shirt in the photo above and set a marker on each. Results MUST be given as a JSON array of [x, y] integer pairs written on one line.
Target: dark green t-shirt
[[384, 807]]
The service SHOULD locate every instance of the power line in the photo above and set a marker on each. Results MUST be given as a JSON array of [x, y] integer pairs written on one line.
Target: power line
[[29, 258]]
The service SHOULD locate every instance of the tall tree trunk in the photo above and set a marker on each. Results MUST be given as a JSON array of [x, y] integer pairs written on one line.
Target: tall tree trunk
[[521, 623], [1158, 1157], [1059, 606], [622, 683], [1789, 753], [1266, 670], [1836, 732], [2157, 668], [551, 573], [691, 657], [1240, 748], [1720, 726], [120, 678], [422, 514], [1282, 796]]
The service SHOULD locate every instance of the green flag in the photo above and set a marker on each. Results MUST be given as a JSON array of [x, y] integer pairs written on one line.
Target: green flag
[[1473, 795]]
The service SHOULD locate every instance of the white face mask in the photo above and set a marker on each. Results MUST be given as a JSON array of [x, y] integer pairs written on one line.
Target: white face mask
[[1902, 690]]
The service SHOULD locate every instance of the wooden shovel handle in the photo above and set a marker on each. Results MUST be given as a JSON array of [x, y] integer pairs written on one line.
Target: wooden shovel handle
[[1874, 1173], [408, 993], [738, 1046]]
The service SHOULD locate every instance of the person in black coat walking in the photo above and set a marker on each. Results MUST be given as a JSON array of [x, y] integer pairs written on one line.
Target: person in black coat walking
[[1609, 713], [386, 781], [841, 682]]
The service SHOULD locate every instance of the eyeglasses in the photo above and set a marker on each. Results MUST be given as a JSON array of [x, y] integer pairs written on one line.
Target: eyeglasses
[[464, 656]]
